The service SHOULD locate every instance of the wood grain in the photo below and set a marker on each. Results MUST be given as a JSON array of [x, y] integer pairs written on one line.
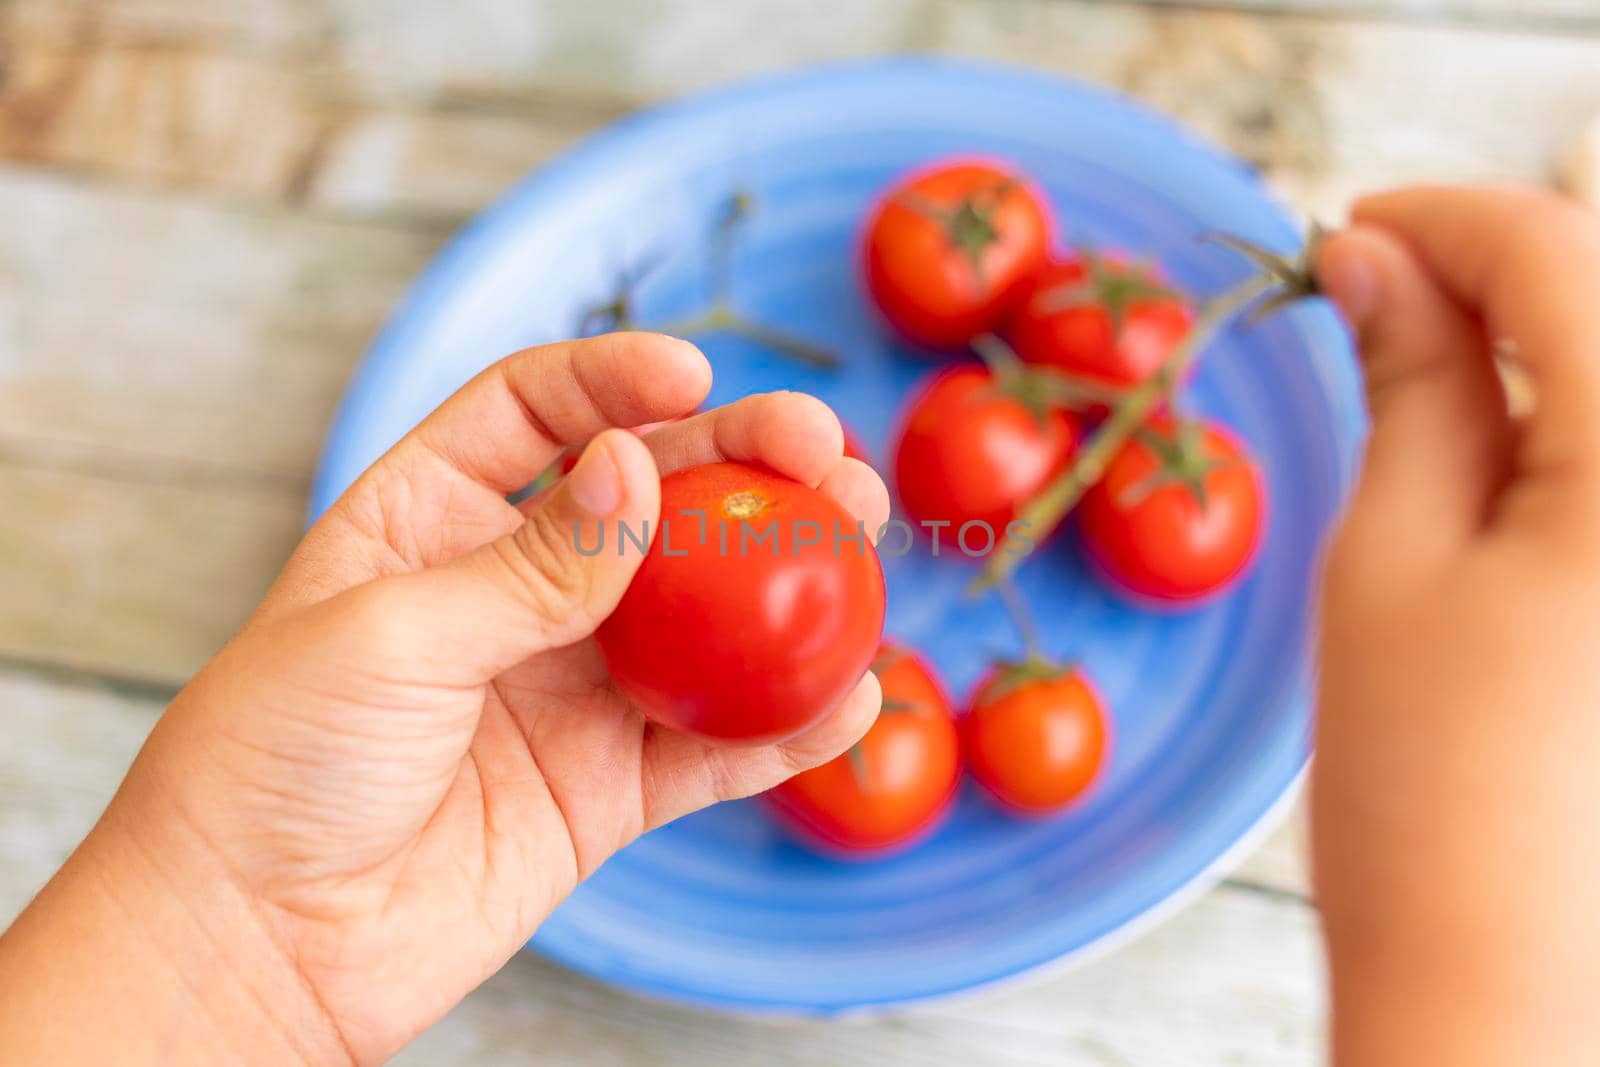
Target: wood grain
[[424, 110], [436, 166], [138, 581], [170, 114], [1572, 16], [166, 337], [67, 747]]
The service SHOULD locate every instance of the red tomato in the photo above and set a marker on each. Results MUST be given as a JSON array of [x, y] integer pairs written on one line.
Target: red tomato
[[898, 780], [948, 248], [1036, 736], [972, 452], [736, 638], [1178, 514], [1100, 321]]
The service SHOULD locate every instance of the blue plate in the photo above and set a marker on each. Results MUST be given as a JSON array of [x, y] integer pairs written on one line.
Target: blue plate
[[1211, 710]]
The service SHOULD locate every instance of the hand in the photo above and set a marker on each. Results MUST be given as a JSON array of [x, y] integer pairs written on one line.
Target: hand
[[413, 751], [1457, 778]]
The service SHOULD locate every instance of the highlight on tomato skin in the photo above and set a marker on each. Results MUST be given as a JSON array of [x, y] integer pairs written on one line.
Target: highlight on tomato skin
[[1178, 517], [970, 452], [1036, 736], [753, 627], [894, 787], [948, 247]]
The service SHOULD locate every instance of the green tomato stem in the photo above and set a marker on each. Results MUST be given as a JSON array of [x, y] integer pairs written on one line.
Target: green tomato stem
[[1047, 510], [1017, 607], [722, 318]]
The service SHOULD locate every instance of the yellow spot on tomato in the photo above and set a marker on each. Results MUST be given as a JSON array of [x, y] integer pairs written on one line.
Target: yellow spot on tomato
[[745, 505]]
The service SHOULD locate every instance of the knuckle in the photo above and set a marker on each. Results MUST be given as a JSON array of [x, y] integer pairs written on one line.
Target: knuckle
[[553, 578], [1575, 228], [385, 612]]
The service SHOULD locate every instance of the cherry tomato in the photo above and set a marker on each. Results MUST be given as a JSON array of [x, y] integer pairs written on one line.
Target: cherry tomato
[[1036, 736], [760, 627], [898, 780], [972, 451], [1101, 321], [948, 248], [1178, 514]]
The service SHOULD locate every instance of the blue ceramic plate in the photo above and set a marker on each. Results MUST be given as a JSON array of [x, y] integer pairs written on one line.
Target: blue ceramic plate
[[1211, 712]]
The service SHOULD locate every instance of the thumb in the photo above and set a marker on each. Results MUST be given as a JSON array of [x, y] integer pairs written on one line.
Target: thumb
[[1439, 436], [547, 584]]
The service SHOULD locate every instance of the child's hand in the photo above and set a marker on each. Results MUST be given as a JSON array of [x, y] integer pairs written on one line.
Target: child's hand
[[412, 752], [1457, 777]]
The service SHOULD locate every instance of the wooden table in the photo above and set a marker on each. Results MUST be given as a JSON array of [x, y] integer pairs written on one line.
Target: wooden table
[[207, 209]]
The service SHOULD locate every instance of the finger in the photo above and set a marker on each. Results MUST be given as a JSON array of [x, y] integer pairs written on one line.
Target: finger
[[681, 774], [1440, 431], [851, 483], [861, 492], [791, 433], [794, 434], [1531, 262], [545, 585], [510, 422]]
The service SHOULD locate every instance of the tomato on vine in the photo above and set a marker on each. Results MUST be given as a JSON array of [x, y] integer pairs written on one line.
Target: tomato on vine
[[1178, 514], [895, 784], [1104, 322], [757, 610], [974, 447], [1036, 735], [948, 248]]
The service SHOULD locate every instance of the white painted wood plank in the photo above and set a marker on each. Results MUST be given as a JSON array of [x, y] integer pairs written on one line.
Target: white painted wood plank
[[391, 116], [135, 579], [636, 49], [1280, 864], [244, 25], [172, 114], [442, 165], [165, 336], [297, 27], [1573, 14], [66, 749]]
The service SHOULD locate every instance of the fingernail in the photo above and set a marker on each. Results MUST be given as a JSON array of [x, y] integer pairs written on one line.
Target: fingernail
[[595, 484], [1350, 281]]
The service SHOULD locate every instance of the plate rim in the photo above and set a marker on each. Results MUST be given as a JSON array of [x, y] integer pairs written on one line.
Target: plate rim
[[479, 239]]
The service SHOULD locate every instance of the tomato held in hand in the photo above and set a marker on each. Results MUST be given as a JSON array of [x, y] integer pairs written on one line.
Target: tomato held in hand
[[975, 451], [1178, 514], [893, 786], [1103, 322], [948, 248], [752, 616], [1036, 736]]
